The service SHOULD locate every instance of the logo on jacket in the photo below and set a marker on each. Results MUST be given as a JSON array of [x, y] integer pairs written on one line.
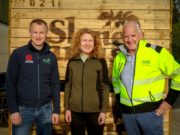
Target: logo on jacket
[[47, 61], [28, 59], [146, 62]]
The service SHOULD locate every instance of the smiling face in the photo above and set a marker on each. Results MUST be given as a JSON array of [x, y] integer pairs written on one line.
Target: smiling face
[[38, 33], [86, 43], [131, 36]]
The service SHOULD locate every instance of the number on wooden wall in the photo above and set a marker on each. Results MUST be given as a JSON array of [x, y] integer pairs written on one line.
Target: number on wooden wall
[[53, 4], [42, 3], [32, 3]]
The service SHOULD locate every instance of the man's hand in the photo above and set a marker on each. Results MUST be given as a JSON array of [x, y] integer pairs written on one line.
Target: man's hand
[[68, 116], [164, 107], [102, 118], [55, 118], [16, 118]]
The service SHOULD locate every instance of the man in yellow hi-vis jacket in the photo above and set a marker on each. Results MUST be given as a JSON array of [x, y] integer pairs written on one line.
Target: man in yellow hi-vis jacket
[[138, 80]]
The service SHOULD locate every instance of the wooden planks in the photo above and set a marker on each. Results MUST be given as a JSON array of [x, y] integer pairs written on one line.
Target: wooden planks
[[64, 17], [95, 4], [84, 14]]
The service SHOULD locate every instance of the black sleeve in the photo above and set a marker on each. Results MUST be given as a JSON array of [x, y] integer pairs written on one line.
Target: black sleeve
[[55, 86], [172, 96], [67, 72], [118, 99], [11, 82], [105, 72], [67, 89]]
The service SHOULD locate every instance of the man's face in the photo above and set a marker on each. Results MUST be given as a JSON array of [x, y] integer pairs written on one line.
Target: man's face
[[38, 35], [87, 43], [131, 37]]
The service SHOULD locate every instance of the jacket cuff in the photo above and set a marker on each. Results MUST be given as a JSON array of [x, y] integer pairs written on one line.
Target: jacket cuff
[[56, 110], [103, 110], [13, 108], [172, 96]]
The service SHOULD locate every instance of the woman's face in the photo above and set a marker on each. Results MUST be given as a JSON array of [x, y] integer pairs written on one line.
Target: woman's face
[[86, 43]]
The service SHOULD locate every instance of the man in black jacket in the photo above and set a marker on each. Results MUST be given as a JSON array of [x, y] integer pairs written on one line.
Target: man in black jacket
[[33, 84]]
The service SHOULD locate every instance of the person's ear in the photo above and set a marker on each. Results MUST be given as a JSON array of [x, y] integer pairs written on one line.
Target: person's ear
[[141, 35]]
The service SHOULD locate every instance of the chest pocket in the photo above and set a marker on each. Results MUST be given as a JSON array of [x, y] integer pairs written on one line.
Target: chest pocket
[[45, 66]]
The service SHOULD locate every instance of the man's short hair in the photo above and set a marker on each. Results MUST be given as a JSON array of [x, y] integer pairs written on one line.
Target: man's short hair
[[136, 22], [39, 22]]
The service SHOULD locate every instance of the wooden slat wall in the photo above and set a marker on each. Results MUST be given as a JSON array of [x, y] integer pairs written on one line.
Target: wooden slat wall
[[67, 16], [70, 15]]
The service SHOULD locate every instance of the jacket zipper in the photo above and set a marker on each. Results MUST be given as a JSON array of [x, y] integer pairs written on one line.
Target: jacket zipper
[[130, 98], [38, 57], [82, 88], [133, 84]]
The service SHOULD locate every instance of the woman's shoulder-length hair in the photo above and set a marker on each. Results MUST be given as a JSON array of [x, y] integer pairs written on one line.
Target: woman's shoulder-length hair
[[97, 52]]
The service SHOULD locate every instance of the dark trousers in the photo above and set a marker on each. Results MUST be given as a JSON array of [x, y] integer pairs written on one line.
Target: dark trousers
[[82, 121]]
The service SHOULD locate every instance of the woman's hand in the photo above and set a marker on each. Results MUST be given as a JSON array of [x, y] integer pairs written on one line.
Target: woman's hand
[[102, 118], [68, 116]]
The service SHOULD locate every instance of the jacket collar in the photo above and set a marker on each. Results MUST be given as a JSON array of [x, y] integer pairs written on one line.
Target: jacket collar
[[123, 49], [79, 57], [46, 48], [141, 43]]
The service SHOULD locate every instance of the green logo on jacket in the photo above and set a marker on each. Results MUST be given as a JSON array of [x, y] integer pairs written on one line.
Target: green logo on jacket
[[146, 62], [47, 61]]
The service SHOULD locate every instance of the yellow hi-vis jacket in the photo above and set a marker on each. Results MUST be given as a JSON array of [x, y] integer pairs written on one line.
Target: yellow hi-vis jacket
[[152, 65]]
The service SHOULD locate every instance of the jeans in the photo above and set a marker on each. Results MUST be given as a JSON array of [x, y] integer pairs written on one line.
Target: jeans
[[82, 121], [143, 123], [39, 116]]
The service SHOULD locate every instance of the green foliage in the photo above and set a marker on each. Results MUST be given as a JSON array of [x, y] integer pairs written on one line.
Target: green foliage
[[176, 14], [176, 40], [176, 11], [176, 30], [4, 5]]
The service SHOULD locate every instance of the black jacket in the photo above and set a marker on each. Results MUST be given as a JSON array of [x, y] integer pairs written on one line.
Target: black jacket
[[32, 78]]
